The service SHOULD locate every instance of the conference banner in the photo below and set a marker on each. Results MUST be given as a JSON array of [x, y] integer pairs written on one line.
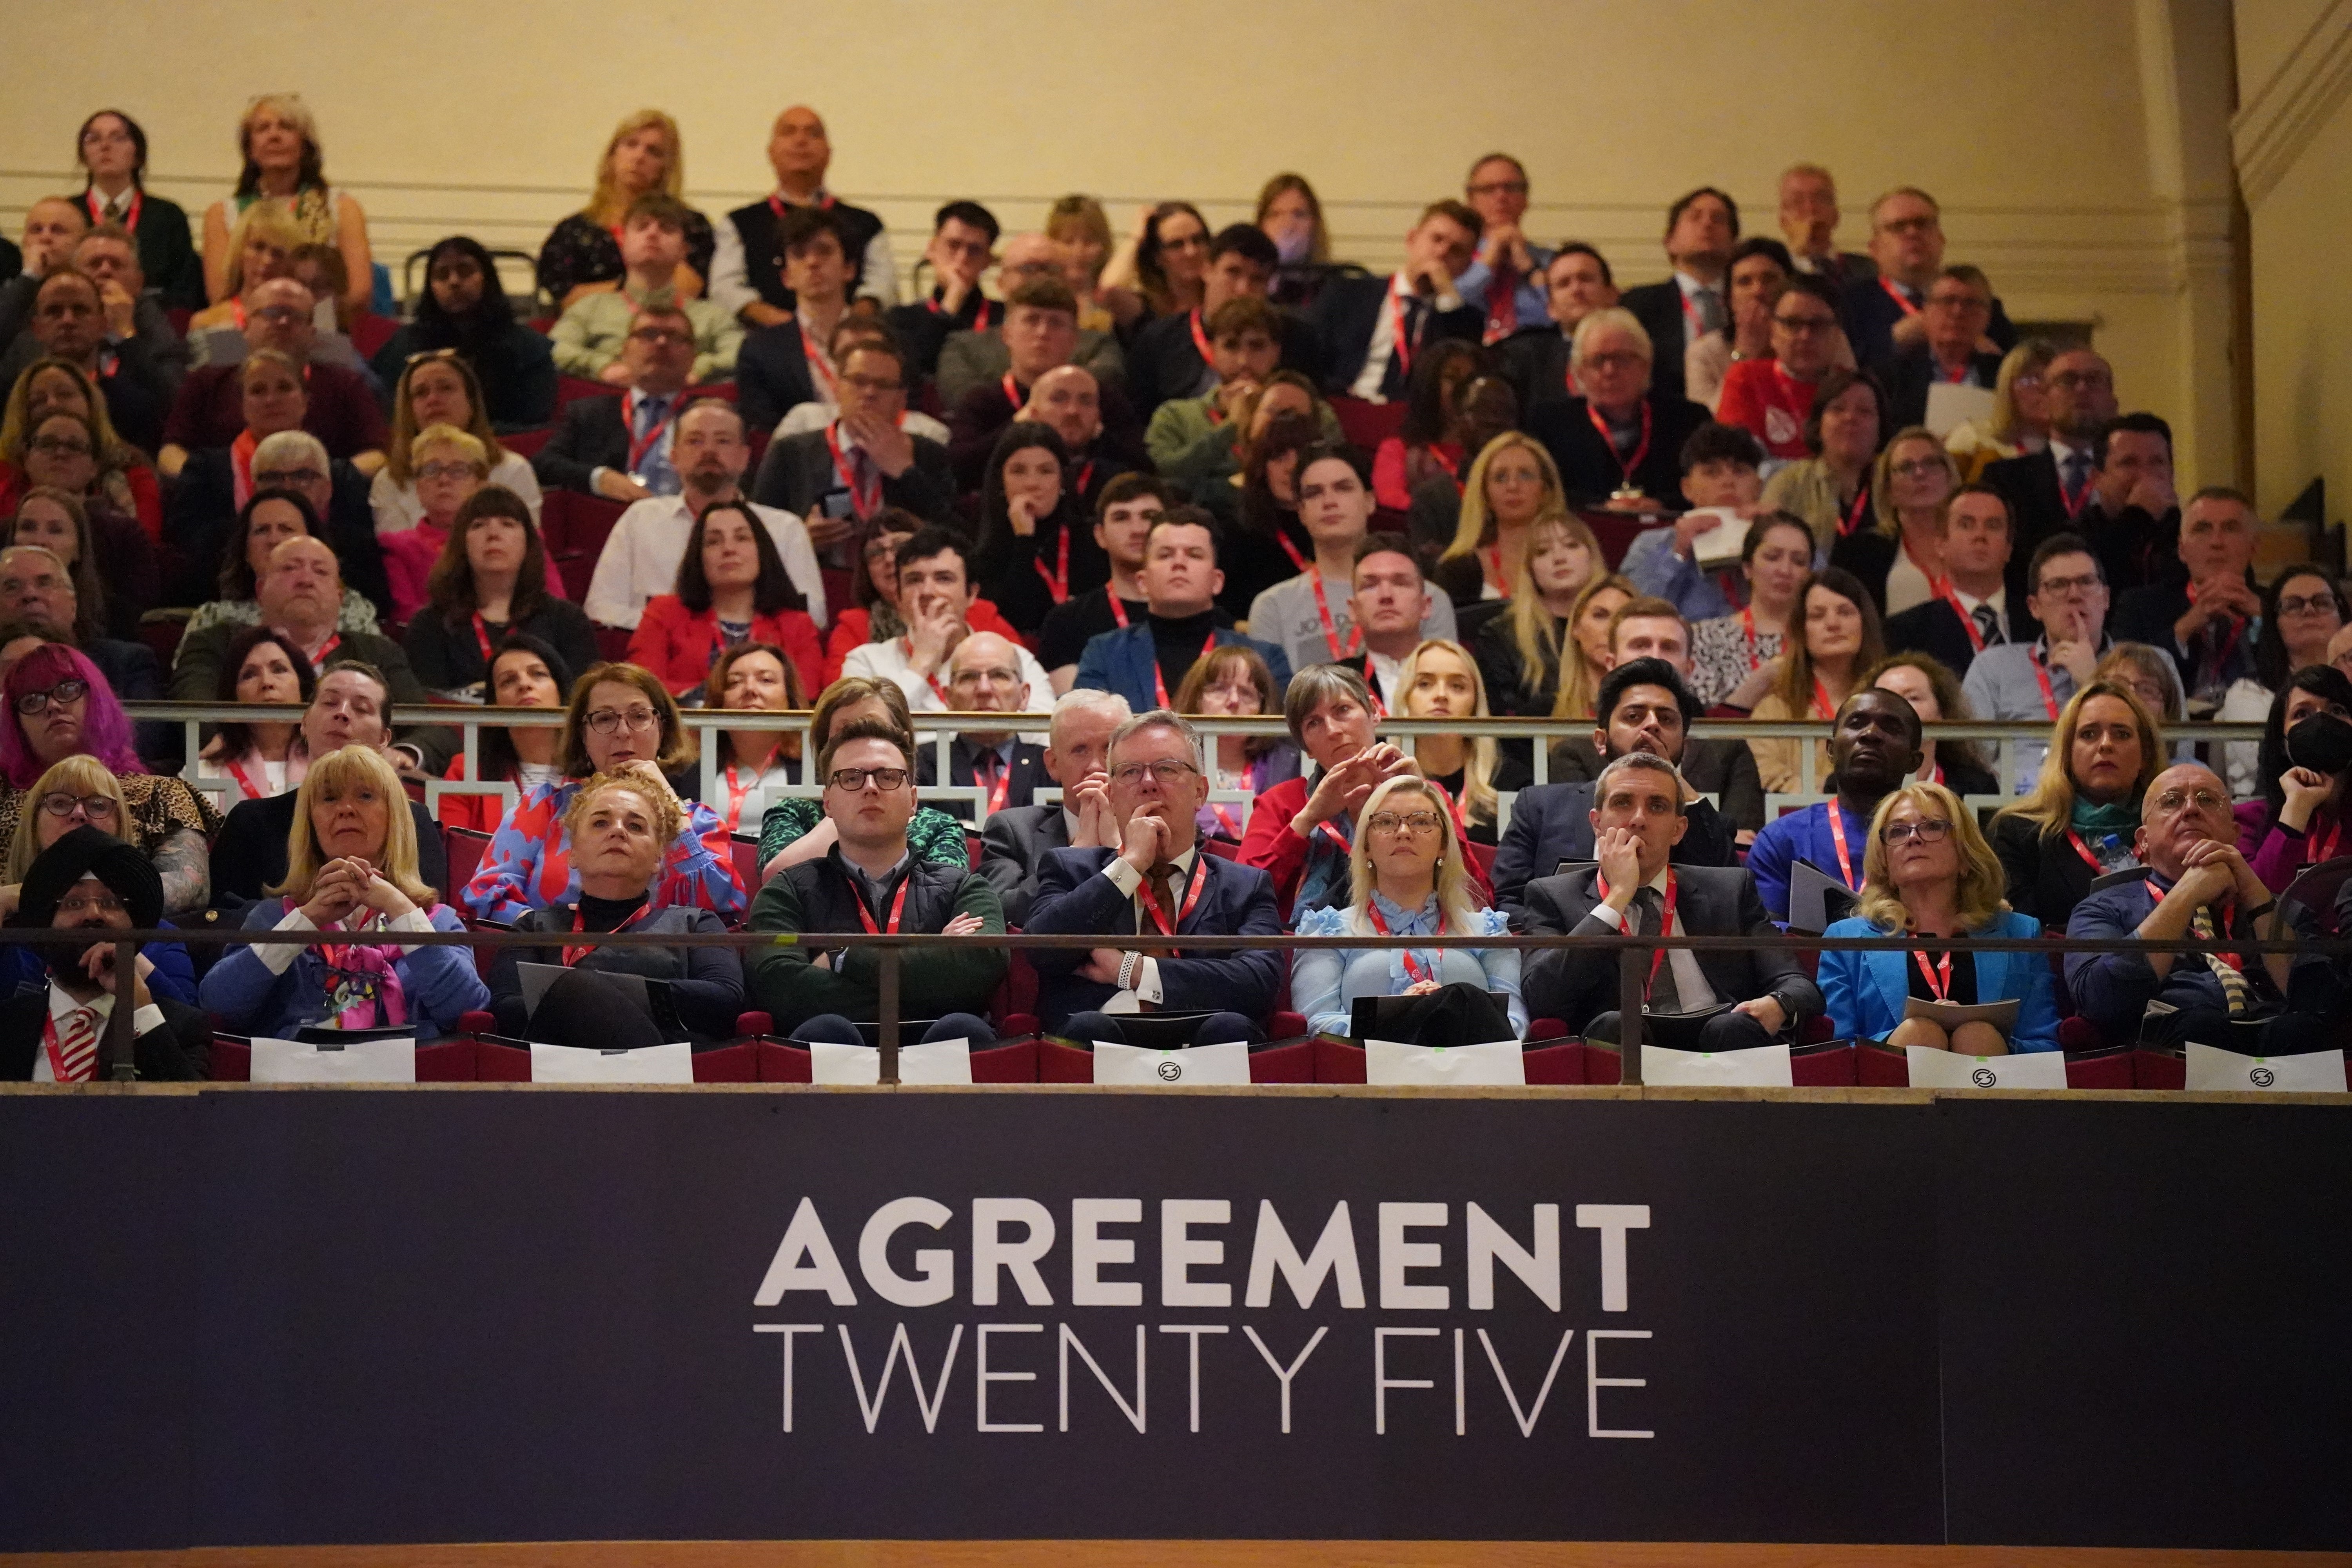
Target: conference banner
[[254, 1318]]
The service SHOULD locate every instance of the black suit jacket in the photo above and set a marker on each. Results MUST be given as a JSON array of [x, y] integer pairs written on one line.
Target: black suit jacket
[[2046, 876], [202, 513], [1163, 362], [1869, 314], [1659, 308], [771, 374], [1909, 374], [1934, 628], [249, 851], [1588, 466], [1724, 769], [1554, 823], [1575, 982], [590, 434], [1028, 774], [1236, 900], [1348, 311], [182, 1049], [763, 258], [1014, 842], [798, 475], [2147, 614], [922, 328]]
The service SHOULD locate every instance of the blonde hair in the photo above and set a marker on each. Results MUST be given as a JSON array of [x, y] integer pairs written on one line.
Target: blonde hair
[[335, 771], [669, 819], [79, 775], [1454, 900], [1477, 526], [2028, 358], [2050, 805], [1533, 630], [1580, 683], [462, 441], [1479, 802], [606, 205], [273, 220], [1882, 474], [1982, 880]]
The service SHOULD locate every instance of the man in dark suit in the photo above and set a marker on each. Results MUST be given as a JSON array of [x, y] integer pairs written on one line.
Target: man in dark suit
[[1986, 606], [1170, 356], [93, 883], [984, 675], [1809, 221], [1016, 840], [1625, 435], [1649, 710], [1958, 310], [1633, 890], [2048, 489], [347, 708], [618, 448], [1368, 329], [1577, 282], [831, 478], [1883, 314], [1159, 883], [962, 247], [1701, 228], [2206, 613]]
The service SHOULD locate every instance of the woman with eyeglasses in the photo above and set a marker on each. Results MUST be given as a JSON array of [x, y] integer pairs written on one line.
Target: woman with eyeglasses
[[62, 460], [125, 478], [438, 391], [796, 828], [1901, 560], [452, 473], [619, 717], [524, 673], [2298, 816], [78, 791], [1407, 876], [731, 588], [59, 706], [1930, 873], [2303, 609], [1233, 682], [351, 880], [464, 313], [1159, 270], [267, 757]]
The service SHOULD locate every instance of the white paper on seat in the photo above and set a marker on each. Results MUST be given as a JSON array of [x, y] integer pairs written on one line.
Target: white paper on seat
[[1951, 405], [934, 1061], [1932, 1069], [585, 1064], [2313, 1072], [1134, 1065], [1760, 1067], [347, 1061], [1391, 1062]]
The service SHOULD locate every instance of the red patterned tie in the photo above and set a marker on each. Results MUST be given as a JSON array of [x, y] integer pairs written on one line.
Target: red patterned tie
[[78, 1045], [1502, 300]]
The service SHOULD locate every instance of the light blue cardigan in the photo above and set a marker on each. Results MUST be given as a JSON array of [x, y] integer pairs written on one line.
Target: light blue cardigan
[[1866, 991]]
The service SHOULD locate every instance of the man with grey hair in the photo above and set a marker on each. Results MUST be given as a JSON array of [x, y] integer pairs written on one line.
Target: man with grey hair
[[35, 585], [204, 509], [1633, 890], [1015, 841], [340, 405], [984, 675], [1155, 885], [1620, 443]]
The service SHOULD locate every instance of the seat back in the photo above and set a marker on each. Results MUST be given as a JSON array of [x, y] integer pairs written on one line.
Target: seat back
[[747, 861], [465, 848]]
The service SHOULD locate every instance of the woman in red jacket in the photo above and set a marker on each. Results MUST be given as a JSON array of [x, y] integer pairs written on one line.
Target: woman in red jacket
[[731, 588]]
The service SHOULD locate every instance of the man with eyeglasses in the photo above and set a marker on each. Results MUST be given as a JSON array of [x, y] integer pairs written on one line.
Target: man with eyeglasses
[[2209, 614], [91, 884], [202, 508], [984, 675], [1884, 315], [281, 314], [1771, 398], [1619, 443], [35, 585], [2197, 885], [2036, 680], [870, 881], [1156, 885], [1636, 888], [642, 554], [1874, 747], [839, 476], [340, 406], [109, 257], [2048, 491], [621, 447], [962, 250], [1953, 352], [1125, 511], [1369, 330], [588, 338], [1507, 277]]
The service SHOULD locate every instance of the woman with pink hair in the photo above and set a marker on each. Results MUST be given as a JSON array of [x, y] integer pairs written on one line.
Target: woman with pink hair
[[57, 705]]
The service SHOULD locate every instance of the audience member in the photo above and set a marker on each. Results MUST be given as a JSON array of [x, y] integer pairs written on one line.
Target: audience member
[[1633, 888], [438, 388], [1930, 873], [1934, 693], [2019, 421], [490, 577], [261, 247], [583, 253], [1617, 445], [2032, 681], [1015, 840], [1809, 220], [1759, 270], [78, 791], [1031, 556], [1830, 490], [622, 447], [983, 676], [755, 677], [1164, 264], [290, 302], [1840, 639], [1478, 410], [1370, 330], [936, 602], [1169, 357], [1302, 830], [1194, 441], [1577, 282], [1702, 226], [854, 331], [1772, 395], [112, 149], [1882, 315], [1269, 543], [1520, 650], [1146, 661], [1513, 482], [1440, 680], [2049, 489], [2152, 677], [1974, 610], [1734, 657], [1290, 213], [2303, 609], [73, 321], [970, 360], [1900, 559], [1428, 443], [271, 516], [81, 533], [2081, 820], [2208, 616], [589, 337], [218, 483], [452, 469], [749, 276], [1124, 515], [1506, 277], [2297, 817], [1309, 616], [731, 587], [1720, 468], [36, 585], [795, 829], [1873, 749], [842, 475], [962, 249], [1040, 335], [619, 717], [279, 140], [126, 479], [1394, 612], [1958, 310], [1159, 881], [335, 404], [524, 673], [264, 757], [791, 361], [463, 311], [1234, 683]]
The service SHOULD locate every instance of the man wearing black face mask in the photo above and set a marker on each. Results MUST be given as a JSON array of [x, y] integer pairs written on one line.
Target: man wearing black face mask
[[2305, 762], [93, 884]]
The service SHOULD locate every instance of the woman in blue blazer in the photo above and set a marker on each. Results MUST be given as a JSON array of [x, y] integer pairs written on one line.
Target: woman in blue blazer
[[1929, 871]]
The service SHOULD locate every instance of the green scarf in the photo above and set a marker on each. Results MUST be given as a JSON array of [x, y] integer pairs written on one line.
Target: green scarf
[[2121, 817]]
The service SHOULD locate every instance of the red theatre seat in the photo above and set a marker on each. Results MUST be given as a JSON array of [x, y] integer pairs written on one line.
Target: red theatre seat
[[1616, 530], [527, 443], [747, 862], [465, 848], [1366, 424], [569, 389], [574, 528]]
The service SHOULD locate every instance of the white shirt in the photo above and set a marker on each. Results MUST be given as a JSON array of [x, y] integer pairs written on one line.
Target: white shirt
[[1906, 586], [62, 1007], [1999, 601], [889, 659], [1691, 988], [261, 770], [1375, 368], [1388, 672], [641, 559], [731, 285], [398, 510], [803, 419], [1127, 879]]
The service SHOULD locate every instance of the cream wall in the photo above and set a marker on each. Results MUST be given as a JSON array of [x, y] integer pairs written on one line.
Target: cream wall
[[451, 116]]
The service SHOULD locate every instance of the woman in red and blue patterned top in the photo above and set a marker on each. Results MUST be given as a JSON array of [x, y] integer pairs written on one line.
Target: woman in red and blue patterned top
[[620, 717]]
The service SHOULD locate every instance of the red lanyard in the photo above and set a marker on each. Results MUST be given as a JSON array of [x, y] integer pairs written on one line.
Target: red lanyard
[[1748, 629], [1691, 313], [1665, 919], [999, 782], [1057, 581], [2237, 630], [1396, 322], [1149, 898], [1225, 820], [640, 446], [979, 319], [1959, 374], [1942, 991], [1296, 559], [1837, 834], [240, 464], [1822, 707], [736, 791], [776, 204], [863, 502], [1159, 680], [1854, 513], [1086, 477], [1938, 586], [2084, 851], [1897, 295], [1968, 622], [252, 791], [898, 908], [2040, 662], [1330, 628], [326, 651], [2073, 500], [1200, 338], [97, 209], [1625, 465], [820, 368], [572, 956], [906, 648], [1012, 393], [2323, 849], [1492, 554], [482, 639], [1412, 965], [1117, 604]]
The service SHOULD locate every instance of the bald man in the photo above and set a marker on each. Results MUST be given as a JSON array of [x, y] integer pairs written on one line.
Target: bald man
[[972, 359], [52, 224], [984, 675], [747, 271], [2197, 885]]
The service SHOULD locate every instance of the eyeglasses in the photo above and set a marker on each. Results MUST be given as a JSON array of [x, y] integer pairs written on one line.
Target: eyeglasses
[[93, 806], [1918, 467], [2172, 801], [2083, 584], [1166, 772], [1619, 359], [609, 722], [1414, 822], [447, 471], [1798, 326], [61, 446], [1933, 831], [853, 780], [90, 904], [2317, 605], [2072, 379], [661, 337], [63, 692]]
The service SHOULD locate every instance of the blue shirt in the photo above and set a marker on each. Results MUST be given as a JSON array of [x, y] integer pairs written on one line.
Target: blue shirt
[[1804, 836], [1325, 982], [1534, 304]]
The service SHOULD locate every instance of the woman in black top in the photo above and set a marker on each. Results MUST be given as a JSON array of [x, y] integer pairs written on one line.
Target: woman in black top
[[1271, 545], [1035, 551], [584, 252], [491, 578]]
